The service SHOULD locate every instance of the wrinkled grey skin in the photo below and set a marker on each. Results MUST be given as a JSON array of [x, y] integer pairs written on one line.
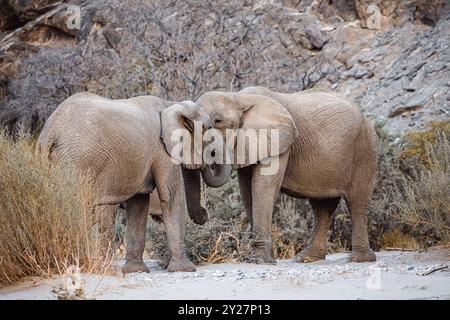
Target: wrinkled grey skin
[[328, 150], [118, 142]]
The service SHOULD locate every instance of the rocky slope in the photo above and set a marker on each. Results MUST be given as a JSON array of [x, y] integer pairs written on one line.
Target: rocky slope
[[392, 57]]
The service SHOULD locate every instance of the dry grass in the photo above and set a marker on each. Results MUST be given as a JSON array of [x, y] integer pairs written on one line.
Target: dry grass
[[396, 240], [292, 222], [45, 223], [217, 241], [423, 198], [417, 141]]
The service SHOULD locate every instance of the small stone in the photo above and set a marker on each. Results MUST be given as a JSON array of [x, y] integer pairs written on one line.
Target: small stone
[[421, 98], [316, 37]]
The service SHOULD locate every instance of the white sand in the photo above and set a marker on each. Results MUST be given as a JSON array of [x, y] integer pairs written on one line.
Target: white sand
[[396, 275]]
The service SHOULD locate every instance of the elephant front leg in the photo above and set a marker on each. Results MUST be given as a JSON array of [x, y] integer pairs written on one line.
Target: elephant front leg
[[174, 221], [265, 189], [137, 213], [245, 187], [171, 194]]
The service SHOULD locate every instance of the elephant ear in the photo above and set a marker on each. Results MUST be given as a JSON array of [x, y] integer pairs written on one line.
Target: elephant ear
[[261, 112], [173, 119]]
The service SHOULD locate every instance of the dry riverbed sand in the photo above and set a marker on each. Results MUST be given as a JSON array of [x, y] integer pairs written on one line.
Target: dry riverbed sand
[[395, 275]]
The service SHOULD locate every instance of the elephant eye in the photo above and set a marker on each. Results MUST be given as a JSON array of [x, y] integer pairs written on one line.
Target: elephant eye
[[217, 121]]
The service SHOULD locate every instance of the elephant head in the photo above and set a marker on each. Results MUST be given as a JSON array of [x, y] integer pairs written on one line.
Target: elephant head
[[186, 120], [229, 110]]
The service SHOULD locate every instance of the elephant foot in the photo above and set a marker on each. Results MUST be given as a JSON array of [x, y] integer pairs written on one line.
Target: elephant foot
[[308, 255], [270, 260], [362, 256], [202, 217], [134, 266], [263, 257], [184, 265]]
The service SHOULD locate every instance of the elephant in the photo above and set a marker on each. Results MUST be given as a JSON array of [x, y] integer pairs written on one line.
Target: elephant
[[123, 146], [327, 151]]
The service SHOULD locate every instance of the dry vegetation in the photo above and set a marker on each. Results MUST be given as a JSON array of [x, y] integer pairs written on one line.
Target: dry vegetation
[[217, 241], [45, 223], [422, 200]]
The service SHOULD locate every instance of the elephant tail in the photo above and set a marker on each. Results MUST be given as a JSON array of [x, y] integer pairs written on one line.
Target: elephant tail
[[46, 142]]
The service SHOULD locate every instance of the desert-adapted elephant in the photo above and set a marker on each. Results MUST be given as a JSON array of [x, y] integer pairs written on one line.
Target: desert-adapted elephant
[[121, 145], [327, 150]]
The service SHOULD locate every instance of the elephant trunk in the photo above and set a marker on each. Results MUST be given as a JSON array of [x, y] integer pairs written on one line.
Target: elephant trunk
[[196, 212], [216, 175]]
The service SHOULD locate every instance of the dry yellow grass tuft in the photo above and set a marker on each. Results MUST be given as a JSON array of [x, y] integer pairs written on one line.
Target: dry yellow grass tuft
[[396, 240], [417, 141], [423, 197], [45, 219]]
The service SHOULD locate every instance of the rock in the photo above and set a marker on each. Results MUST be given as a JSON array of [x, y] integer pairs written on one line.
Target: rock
[[428, 11], [113, 34], [421, 98], [67, 20], [318, 40], [29, 9], [418, 100], [371, 55], [416, 82], [358, 72]]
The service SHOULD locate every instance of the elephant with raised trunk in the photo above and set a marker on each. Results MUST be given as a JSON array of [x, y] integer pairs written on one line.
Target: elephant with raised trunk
[[118, 144], [327, 150]]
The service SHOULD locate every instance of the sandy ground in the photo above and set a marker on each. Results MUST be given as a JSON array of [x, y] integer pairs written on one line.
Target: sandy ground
[[396, 275]]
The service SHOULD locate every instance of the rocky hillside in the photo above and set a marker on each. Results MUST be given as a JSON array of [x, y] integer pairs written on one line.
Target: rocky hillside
[[391, 56]]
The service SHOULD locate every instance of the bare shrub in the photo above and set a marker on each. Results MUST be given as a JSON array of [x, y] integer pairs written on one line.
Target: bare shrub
[[217, 241], [422, 200], [45, 220], [292, 222]]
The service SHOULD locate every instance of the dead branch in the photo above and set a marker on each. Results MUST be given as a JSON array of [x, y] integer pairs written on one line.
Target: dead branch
[[432, 270]]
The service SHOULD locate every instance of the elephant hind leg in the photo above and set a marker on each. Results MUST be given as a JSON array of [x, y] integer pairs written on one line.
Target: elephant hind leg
[[357, 202], [137, 213], [361, 251], [105, 216], [360, 193], [317, 245]]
